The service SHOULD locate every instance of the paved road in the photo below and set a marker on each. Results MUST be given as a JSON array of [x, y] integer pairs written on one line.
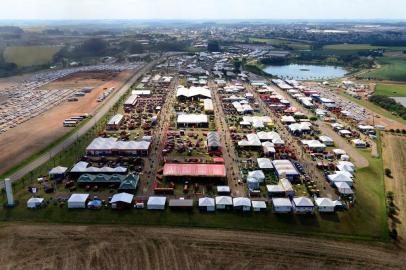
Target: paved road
[[86, 127]]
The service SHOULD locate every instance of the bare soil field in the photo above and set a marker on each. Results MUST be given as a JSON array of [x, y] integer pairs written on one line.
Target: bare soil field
[[388, 123], [394, 158], [30, 137], [82, 79], [117, 247]]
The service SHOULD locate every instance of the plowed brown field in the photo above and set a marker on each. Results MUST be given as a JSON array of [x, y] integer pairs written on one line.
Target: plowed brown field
[[117, 247]]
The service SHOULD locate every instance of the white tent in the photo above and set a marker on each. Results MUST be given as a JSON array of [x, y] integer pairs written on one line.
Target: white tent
[[343, 188], [339, 152], [223, 201], [281, 205], [78, 200], [258, 205], [122, 197], [303, 205], [223, 189], [326, 140], [346, 166], [325, 204], [58, 170], [264, 163], [207, 203], [242, 203], [339, 177], [257, 174], [345, 173], [156, 203], [35, 202]]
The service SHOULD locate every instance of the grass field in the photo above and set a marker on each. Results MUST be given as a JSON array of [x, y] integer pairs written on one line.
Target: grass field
[[392, 69], [25, 56], [296, 45], [350, 47], [394, 154], [390, 90], [361, 47]]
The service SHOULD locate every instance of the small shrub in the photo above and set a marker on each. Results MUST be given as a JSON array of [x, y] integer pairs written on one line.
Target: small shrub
[[393, 234], [388, 172]]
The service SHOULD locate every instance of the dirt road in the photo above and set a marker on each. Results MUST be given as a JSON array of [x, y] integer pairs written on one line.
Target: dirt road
[[394, 158], [229, 152], [102, 247]]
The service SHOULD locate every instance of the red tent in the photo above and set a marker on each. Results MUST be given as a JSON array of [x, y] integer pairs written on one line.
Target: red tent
[[195, 170]]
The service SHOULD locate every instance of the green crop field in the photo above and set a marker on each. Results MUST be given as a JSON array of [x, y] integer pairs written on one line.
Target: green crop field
[[361, 47], [391, 69], [345, 46], [390, 90], [281, 42], [25, 56]]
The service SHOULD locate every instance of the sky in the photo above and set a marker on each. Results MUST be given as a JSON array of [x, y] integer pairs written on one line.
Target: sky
[[201, 9]]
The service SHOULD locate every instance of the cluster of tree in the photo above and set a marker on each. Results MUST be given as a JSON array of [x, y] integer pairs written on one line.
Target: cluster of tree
[[256, 70], [93, 47], [6, 69], [11, 30], [389, 104], [351, 60], [213, 46], [274, 60]]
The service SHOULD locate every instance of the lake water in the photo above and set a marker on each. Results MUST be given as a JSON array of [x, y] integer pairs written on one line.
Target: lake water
[[306, 72]]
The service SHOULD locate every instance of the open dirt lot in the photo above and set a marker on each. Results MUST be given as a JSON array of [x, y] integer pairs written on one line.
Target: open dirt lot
[[394, 158], [82, 79], [30, 137], [101, 247]]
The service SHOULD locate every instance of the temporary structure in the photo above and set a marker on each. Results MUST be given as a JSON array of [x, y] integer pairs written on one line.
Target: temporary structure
[[281, 205], [258, 174], [325, 204], [222, 202], [35, 202], [156, 203], [207, 204], [121, 200], [242, 203], [343, 188], [339, 177], [303, 205], [78, 200], [264, 163], [258, 205]]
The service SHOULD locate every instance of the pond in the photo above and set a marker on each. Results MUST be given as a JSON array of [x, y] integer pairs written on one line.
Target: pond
[[306, 72]]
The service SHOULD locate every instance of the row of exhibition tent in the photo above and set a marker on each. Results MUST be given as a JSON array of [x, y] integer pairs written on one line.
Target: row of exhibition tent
[[329, 100], [127, 201]]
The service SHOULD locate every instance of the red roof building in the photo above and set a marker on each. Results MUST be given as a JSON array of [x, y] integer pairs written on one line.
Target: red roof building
[[194, 170]]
